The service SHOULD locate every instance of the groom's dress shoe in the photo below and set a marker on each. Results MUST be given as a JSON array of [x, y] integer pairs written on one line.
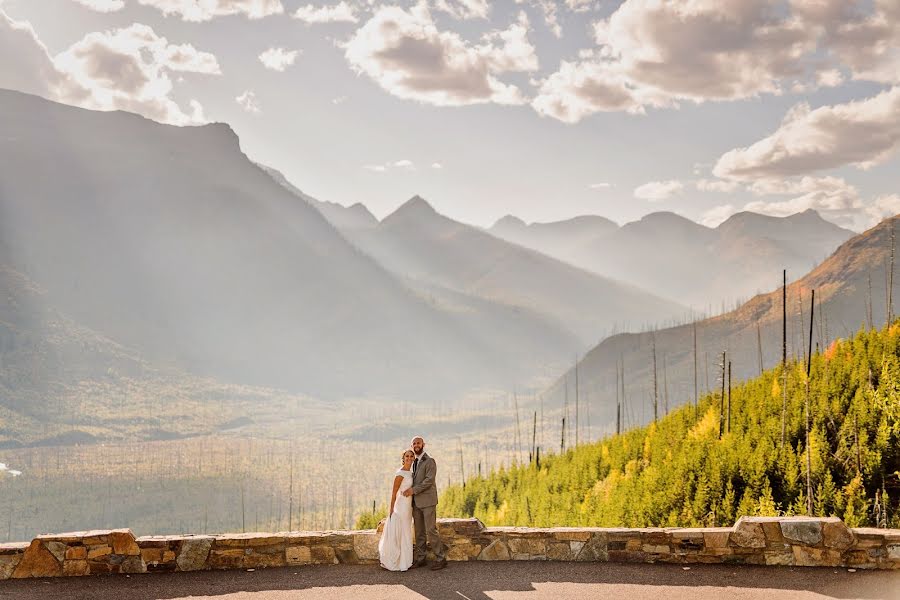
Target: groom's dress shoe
[[441, 564], [420, 563]]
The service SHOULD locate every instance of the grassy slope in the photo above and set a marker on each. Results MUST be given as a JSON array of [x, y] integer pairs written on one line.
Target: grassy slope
[[679, 472]]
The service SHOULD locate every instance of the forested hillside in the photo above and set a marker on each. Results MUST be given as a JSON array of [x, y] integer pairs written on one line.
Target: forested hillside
[[679, 470]]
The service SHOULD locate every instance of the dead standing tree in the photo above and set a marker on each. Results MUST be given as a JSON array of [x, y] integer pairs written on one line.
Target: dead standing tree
[[808, 450]]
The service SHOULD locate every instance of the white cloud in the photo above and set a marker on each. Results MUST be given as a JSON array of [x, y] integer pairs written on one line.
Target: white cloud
[[204, 10], [339, 100], [437, 165], [120, 69], [404, 164], [464, 9], [278, 59], [717, 215], [832, 197], [104, 6], [862, 133], [716, 185], [248, 102], [882, 207], [407, 55], [338, 13], [656, 191], [550, 10], [661, 53], [600, 186]]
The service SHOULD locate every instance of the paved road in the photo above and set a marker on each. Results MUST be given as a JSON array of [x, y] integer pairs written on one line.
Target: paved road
[[497, 581]]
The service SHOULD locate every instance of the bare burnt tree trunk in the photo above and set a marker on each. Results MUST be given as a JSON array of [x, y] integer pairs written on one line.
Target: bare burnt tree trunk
[[784, 358], [665, 386], [696, 394], [759, 347], [577, 436], [618, 403], [655, 386], [890, 293], [869, 317], [722, 400], [728, 419], [518, 431], [812, 306]]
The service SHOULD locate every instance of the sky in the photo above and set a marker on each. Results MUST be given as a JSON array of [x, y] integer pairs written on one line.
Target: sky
[[544, 109]]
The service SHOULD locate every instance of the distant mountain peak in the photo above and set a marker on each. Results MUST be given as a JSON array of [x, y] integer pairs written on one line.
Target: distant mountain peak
[[415, 207], [509, 221]]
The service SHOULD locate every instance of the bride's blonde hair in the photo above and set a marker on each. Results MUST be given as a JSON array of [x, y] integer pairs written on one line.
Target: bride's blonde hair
[[403, 456]]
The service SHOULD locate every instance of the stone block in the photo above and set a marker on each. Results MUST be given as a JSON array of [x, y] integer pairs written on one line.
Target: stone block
[[715, 540], [464, 551], [299, 555], [76, 568], [779, 558], [595, 549], [365, 544], [8, 564], [97, 552], [799, 530], [564, 534], [561, 551], [133, 564], [123, 542], [323, 555], [526, 547], [748, 533], [806, 556], [837, 535], [193, 553], [497, 550], [37, 561], [76, 553]]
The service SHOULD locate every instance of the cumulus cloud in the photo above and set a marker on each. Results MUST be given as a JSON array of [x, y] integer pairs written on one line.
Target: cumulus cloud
[[657, 191], [437, 165], [278, 59], [337, 13], [655, 53], [407, 55], [248, 102], [120, 69], [104, 6], [862, 133], [464, 9], [600, 186], [205, 10]]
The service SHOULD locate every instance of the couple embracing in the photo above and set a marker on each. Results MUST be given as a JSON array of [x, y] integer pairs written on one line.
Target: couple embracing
[[413, 504]]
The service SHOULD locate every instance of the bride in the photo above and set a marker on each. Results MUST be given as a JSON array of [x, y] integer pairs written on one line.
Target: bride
[[395, 548]]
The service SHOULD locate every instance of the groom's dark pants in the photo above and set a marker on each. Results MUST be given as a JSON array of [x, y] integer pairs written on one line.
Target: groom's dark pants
[[425, 522]]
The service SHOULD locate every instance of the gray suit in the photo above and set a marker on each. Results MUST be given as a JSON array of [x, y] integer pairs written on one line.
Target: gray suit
[[425, 499]]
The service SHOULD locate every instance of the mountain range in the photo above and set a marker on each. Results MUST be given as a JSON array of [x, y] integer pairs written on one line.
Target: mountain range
[[677, 258], [180, 254]]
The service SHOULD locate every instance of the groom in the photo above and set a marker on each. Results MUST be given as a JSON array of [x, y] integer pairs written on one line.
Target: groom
[[425, 497]]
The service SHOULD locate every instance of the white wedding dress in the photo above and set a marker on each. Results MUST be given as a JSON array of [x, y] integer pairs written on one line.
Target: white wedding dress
[[395, 548]]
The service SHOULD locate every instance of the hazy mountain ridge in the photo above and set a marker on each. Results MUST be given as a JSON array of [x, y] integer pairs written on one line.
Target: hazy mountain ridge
[[418, 243], [675, 257], [841, 283]]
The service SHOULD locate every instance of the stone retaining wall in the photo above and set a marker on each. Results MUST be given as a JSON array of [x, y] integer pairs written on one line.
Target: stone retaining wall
[[799, 541]]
